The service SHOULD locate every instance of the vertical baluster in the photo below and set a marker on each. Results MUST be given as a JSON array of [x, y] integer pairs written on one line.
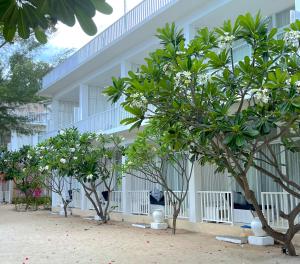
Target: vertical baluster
[[277, 209], [272, 209], [268, 213]]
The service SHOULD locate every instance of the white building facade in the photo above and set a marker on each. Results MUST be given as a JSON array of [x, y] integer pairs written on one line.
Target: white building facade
[[37, 116], [75, 88]]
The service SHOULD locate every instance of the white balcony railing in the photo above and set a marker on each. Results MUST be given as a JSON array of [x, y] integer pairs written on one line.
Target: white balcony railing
[[142, 12], [5, 196], [35, 117], [184, 209], [116, 201], [139, 202], [216, 206], [103, 121], [273, 203]]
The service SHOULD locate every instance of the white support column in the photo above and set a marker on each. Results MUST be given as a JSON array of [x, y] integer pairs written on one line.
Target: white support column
[[295, 14], [192, 196], [297, 5], [125, 68], [54, 119], [83, 202], [187, 31], [84, 101], [125, 189], [10, 191]]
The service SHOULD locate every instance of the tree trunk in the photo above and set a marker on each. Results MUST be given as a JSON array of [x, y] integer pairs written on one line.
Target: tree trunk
[[290, 248], [175, 215], [65, 209], [285, 239]]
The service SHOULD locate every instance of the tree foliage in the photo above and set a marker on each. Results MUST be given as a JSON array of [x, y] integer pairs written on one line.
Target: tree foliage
[[236, 109], [34, 16], [21, 167], [150, 157], [91, 159], [20, 80]]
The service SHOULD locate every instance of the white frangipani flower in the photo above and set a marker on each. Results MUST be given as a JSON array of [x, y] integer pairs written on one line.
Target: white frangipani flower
[[262, 95], [138, 100], [72, 149], [63, 161], [180, 52], [292, 38], [75, 158], [90, 177], [202, 78], [183, 79], [226, 41]]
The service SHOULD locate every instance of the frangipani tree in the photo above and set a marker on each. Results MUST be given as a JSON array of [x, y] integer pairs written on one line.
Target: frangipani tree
[[150, 157], [235, 110], [90, 158], [97, 162], [21, 167], [55, 164]]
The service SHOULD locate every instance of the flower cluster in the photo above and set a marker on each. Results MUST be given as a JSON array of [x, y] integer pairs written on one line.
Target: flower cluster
[[42, 169], [183, 79], [226, 40], [297, 86], [202, 78], [168, 69], [292, 38], [262, 95], [180, 52], [89, 177], [138, 100]]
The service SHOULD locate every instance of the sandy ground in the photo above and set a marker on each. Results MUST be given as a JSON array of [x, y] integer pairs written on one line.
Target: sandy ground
[[40, 237]]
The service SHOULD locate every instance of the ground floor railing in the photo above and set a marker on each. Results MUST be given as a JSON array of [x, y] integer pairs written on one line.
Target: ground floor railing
[[169, 201], [116, 201], [76, 199], [139, 202], [215, 206], [4, 196], [273, 203]]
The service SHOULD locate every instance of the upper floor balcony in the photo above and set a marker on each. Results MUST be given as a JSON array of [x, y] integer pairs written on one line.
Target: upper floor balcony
[[143, 12], [107, 121]]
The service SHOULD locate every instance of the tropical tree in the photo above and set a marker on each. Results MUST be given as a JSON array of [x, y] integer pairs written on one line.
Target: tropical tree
[[21, 167], [150, 157], [96, 165], [91, 159], [25, 18], [53, 177], [236, 109]]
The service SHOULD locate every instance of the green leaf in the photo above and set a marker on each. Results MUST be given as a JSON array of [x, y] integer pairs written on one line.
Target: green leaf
[[296, 102], [86, 23], [9, 32], [40, 35], [102, 6]]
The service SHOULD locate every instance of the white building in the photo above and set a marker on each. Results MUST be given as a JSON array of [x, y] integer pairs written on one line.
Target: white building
[[75, 89], [37, 115]]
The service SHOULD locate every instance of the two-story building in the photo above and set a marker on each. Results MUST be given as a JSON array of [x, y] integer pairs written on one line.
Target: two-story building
[[75, 88], [37, 116]]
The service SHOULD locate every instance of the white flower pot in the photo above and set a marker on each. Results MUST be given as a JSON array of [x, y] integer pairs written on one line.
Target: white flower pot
[[158, 216], [256, 227]]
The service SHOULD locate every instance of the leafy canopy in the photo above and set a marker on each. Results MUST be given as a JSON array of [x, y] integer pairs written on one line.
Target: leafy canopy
[[35, 16]]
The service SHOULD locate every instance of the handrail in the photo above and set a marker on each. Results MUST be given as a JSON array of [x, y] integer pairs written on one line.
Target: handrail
[[119, 28]]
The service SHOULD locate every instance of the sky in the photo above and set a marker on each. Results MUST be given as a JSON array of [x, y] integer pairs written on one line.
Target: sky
[[74, 37]]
